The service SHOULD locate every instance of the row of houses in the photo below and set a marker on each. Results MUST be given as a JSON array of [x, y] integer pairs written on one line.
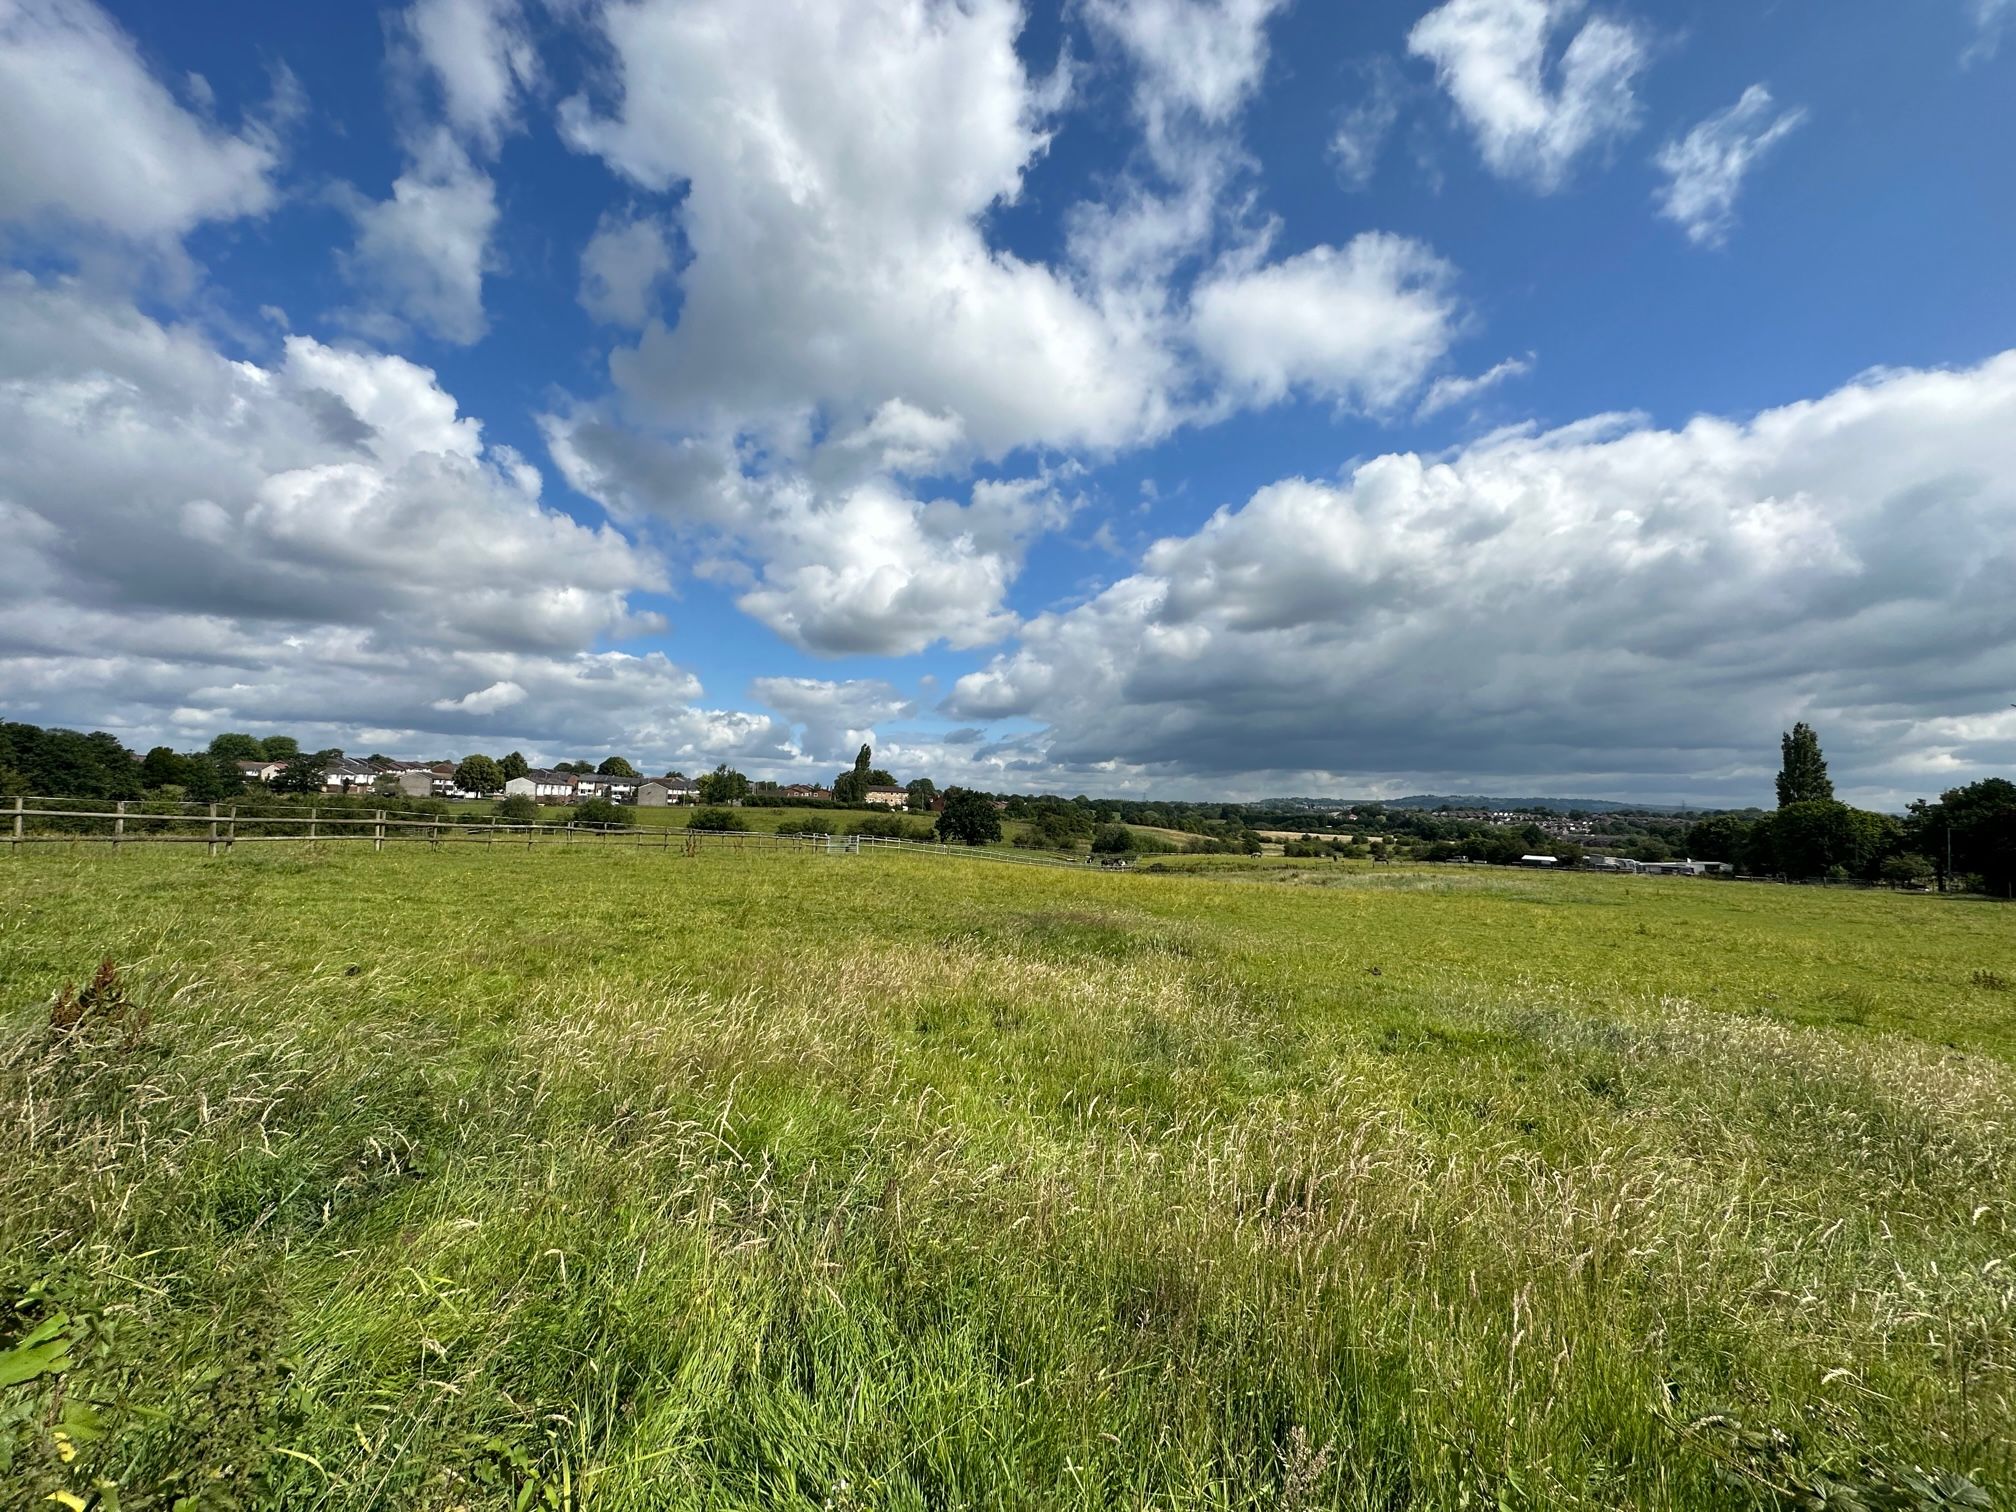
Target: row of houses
[[401, 779], [347, 775]]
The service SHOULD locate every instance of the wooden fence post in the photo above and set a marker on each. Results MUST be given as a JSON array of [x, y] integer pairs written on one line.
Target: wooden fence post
[[17, 827], [378, 832], [212, 850], [437, 833], [311, 823], [119, 825], [231, 828]]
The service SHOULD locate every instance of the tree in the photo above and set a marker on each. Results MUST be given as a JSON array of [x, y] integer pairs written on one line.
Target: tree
[[1976, 825], [578, 768], [1721, 838], [1802, 778], [305, 772], [852, 787], [163, 768], [479, 774], [232, 747], [616, 766], [277, 748], [968, 818], [723, 785], [207, 779], [920, 793], [1822, 838], [1905, 868], [877, 777], [514, 765], [1112, 840]]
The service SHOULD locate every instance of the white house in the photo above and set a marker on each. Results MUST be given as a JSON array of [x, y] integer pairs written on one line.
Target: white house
[[542, 786], [615, 789], [346, 774], [260, 771], [887, 797]]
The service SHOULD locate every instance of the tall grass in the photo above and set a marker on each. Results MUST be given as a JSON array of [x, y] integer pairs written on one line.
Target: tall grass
[[637, 1182]]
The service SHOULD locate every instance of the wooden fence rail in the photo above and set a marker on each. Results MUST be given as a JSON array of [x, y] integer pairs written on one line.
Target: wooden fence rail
[[218, 828]]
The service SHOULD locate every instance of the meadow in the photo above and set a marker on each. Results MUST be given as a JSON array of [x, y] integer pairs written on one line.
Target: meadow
[[624, 1179]]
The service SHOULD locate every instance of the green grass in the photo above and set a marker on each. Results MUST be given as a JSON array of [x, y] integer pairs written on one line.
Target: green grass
[[620, 1179]]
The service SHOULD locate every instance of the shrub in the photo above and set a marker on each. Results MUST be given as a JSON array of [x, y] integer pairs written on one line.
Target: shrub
[[599, 811], [717, 819], [519, 808], [804, 827], [882, 827]]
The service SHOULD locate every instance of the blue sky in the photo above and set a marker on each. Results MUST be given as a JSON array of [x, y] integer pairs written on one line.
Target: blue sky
[[1192, 397]]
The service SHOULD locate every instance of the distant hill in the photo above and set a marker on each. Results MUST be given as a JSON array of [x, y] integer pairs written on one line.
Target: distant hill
[[1497, 805]]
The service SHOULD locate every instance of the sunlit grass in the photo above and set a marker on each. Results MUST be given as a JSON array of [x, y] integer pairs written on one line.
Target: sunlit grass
[[626, 1179]]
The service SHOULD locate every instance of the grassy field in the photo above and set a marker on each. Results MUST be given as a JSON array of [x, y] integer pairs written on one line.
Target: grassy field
[[629, 1180]]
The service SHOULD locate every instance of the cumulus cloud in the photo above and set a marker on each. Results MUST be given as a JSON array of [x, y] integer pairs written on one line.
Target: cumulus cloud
[[839, 159], [334, 487], [1635, 608], [480, 56], [834, 562], [1361, 325], [322, 542], [621, 266], [501, 694], [1533, 118], [1195, 61], [1705, 169], [422, 254], [844, 325], [88, 135], [834, 718]]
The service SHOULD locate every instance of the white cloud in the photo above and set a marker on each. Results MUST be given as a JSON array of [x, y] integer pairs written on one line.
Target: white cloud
[[1705, 169], [1362, 130], [1361, 324], [331, 488], [1447, 392], [839, 159], [844, 325], [1196, 61], [620, 268], [421, 256], [1990, 17], [322, 544], [836, 558], [423, 253], [834, 718], [1492, 56], [501, 694], [1608, 604], [481, 56], [88, 134]]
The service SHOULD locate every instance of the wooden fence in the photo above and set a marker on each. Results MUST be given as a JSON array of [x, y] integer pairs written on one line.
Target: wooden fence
[[223, 827]]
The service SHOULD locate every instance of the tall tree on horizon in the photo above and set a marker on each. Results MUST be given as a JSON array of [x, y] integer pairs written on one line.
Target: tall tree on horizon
[[851, 787], [1802, 778]]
